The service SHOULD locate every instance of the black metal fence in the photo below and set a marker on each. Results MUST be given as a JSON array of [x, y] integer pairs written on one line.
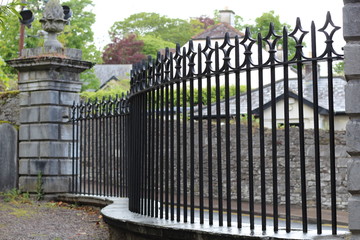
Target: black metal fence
[[197, 148], [99, 147]]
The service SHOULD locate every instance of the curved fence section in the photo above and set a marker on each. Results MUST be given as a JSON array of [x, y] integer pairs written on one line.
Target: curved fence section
[[223, 132], [204, 150]]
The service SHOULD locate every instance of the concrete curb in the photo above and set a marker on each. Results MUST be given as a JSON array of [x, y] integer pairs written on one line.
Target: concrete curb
[[124, 224]]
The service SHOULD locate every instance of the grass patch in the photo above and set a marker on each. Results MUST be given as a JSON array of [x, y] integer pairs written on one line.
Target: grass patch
[[21, 213], [16, 196]]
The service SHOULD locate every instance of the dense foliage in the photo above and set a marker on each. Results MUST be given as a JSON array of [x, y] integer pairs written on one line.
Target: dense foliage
[[155, 31], [262, 26], [124, 51], [78, 35]]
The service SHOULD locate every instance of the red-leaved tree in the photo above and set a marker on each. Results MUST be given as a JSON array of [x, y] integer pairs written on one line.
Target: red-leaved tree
[[124, 51]]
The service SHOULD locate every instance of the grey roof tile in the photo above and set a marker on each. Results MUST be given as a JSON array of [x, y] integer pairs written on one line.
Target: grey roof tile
[[107, 71], [339, 96]]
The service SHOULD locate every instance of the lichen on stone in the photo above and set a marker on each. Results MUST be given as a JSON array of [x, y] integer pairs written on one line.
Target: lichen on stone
[[53, 10]]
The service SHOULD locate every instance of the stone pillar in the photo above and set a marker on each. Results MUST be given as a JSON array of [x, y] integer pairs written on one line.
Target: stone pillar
[[49, 84], [351, 16]]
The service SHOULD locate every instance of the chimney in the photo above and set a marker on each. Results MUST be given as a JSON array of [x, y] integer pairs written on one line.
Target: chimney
[[308, 79], [227, 16]]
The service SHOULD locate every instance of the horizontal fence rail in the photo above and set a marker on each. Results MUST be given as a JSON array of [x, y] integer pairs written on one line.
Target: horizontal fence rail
[[200, 148], [100, 164]]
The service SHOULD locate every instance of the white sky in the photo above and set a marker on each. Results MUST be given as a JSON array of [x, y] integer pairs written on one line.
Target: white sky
[[109, 11]]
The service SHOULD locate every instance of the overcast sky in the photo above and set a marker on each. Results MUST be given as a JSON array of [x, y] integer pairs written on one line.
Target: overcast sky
[[109, 11]]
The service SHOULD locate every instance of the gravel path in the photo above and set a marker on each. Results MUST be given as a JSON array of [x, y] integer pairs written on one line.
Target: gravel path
[[50, 220]]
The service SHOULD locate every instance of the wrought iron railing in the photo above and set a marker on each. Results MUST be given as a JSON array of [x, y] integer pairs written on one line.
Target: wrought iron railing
[[194, 154], [100, 147], [187, 152]]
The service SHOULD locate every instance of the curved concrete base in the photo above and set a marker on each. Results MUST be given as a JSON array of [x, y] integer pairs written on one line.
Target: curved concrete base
[[124, 224]]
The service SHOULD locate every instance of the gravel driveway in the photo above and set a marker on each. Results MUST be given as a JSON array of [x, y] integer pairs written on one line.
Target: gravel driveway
[[49, 220]]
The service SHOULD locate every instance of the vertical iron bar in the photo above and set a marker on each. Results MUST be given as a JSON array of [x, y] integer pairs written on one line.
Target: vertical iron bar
[[89, 146], [146, 155], [157, 149], [120, 150], [200, 141], [103, 147], [185, 176], [250, 140], [302, 145], [93, 147], [274, 141], [261, 134], [238, 132], [81, 148], [227, 139], [141, 163], [316, 129], [138, 149], [172, 148], [149, 158], [153, 147], [125, 143], [332, 144], [167, 151], [218, 134], [192, 152], [132, 157], [178, 152], [287, 131], [162, 158], [85, 155], [96, 104], [209, 132], [73, 121], [111, 156], [107, 160]]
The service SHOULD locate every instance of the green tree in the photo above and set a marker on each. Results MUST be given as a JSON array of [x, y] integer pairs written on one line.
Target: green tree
[[153, 44], [262, 25], [8, 13], [142, 24], [156, 31], [8, 10], [339, 68], [76, 35]]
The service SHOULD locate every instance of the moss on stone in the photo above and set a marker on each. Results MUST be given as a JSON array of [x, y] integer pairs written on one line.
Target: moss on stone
[[8, 94], [17, 127]]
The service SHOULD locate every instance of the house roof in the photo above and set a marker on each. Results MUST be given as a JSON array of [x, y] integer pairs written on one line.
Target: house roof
[[338, 96], [106, 82], [218, 31], [107, 72]]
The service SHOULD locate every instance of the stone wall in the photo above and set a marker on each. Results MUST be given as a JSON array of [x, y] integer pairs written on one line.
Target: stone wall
[[9, 112], [295, 171], [9, 107], [295, 163]]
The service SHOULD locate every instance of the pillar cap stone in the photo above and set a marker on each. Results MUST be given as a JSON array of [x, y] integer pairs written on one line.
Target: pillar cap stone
[[41, 58]]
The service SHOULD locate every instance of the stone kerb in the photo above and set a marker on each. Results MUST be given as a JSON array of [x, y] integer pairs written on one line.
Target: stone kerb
[[49, 83]]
